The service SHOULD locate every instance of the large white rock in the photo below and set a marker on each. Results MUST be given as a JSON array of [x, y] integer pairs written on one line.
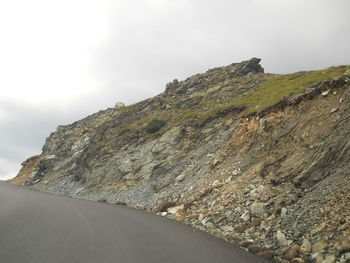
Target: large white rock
[[175, 209], [119, 105]]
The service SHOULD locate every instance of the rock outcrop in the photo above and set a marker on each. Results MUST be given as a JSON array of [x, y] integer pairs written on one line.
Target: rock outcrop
[[258, 159]]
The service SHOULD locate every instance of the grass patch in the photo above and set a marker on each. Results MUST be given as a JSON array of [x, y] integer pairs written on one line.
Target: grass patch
[[266, 90], [185, 116], [234, 238], [273, 90], [215, 88], [155, 125]]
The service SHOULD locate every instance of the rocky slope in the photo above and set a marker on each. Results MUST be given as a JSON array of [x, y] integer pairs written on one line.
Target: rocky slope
[[258, 159]]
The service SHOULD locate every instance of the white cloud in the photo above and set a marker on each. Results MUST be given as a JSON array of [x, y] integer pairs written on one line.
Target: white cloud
[[45, 48], [8, 168]]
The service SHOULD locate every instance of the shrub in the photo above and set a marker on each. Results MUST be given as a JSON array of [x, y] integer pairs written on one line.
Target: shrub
[[154, 125]]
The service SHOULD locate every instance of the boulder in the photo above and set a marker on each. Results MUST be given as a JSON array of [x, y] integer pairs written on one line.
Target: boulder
[[246, 216], [281, 239], [258, 209], [175, 209], [344, 245], [319, 228], [305, 247], [245, 67], [319, 246], [119, 105]]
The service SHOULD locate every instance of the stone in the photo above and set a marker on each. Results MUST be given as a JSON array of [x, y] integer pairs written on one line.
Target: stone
[[325, 93], [130, 176], [180, 178], [159, 147], [284, 212], [249, 66], [32, 175], [245, 243], [119, 105], [344, 246], [207, 222], [28, 183], [345, 258], [228, 212], [172, 86], [175, 209], [318, 257], [216, 162], [297, 260], [241, 229], [236, 172], [319, 246], [266, 254], [305, 247], [334, 110], [238, 209], [125, 166], [246, 216], [291, 252], [255, 249], [319, 228], [217, 184], [253, 193], [200, 217], [258, 209], [329, 259], [50, 157], [262, 125], [37, 180], [228, 179], [281, 239], [227, 228], [255, 223], [172, 136], [214, 203]]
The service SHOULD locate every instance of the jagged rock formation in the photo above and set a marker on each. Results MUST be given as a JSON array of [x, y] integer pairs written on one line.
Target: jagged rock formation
[[258, 159]]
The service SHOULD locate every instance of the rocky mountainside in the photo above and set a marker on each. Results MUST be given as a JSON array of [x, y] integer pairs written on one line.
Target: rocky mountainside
[[258, 159]]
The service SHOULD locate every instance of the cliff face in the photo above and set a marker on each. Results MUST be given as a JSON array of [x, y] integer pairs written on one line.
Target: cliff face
[[259, 159]]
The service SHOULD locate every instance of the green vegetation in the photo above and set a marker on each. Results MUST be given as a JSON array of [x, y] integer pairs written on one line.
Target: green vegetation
[[155, 125], [268, 93], [215, 88], [234, 238], [254, 94], [185, 116], [273, 90]]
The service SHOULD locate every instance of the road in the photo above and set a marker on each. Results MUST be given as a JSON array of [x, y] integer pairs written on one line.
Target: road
[[43, 228]]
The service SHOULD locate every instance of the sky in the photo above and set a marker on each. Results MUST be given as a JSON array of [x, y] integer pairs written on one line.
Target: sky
[[63, 60]]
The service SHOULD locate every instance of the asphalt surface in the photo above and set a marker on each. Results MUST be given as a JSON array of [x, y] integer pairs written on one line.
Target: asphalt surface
[[37, 227]]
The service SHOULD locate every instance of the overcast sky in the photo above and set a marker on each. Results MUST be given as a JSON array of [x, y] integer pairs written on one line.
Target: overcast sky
[[63, 60]]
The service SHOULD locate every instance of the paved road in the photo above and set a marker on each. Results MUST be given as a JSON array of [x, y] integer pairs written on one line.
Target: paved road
[[43, 228]]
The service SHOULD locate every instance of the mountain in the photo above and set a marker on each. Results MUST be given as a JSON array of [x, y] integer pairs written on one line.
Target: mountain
[[258, 159]]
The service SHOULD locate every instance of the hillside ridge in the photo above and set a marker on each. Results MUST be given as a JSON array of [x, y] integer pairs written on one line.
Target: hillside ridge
[[258, 159]]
